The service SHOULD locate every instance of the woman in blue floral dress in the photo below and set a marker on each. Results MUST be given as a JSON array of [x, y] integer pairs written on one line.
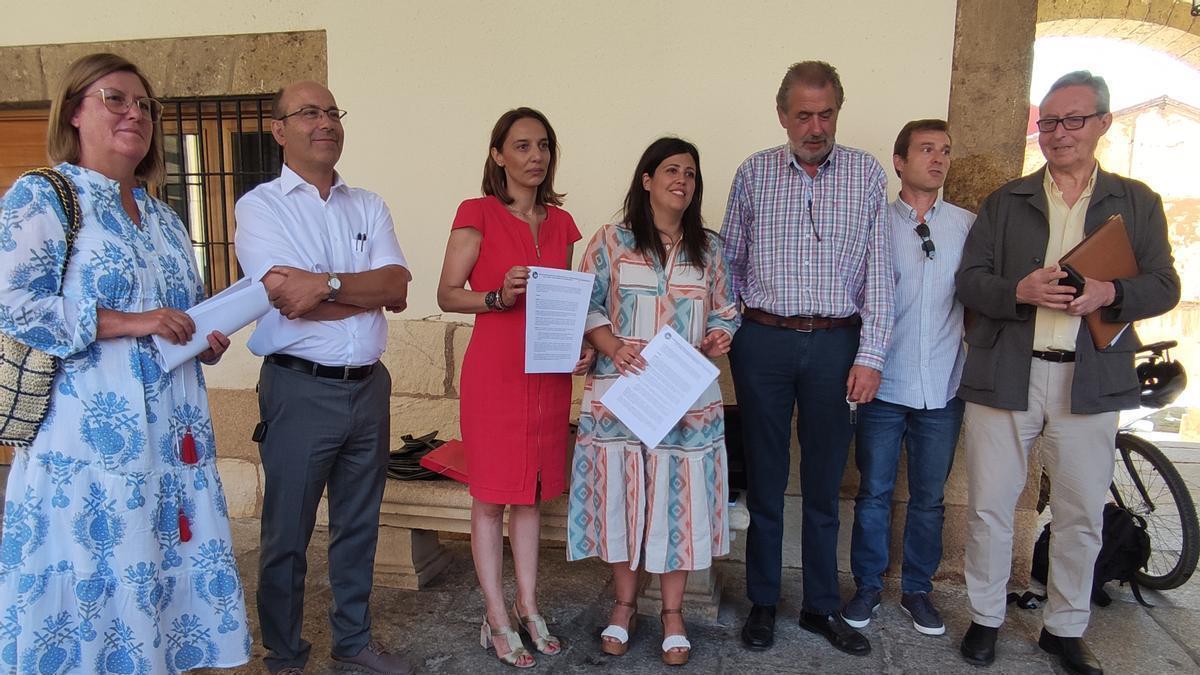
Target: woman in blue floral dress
[[116, 554]]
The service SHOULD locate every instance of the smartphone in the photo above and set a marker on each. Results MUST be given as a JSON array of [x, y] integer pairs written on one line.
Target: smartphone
[[1074, 279]]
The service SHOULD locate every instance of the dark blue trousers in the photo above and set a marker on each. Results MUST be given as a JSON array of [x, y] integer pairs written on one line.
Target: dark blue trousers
[[775, 372]]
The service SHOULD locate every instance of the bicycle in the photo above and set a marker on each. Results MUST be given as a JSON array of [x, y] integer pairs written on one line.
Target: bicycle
[[1148, 484]]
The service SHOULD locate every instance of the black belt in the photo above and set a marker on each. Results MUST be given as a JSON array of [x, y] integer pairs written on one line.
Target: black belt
[[318, 370], [1055, 356]]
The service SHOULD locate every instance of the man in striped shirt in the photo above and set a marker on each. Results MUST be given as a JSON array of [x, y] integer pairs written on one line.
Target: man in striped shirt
[[809, 256], [916, 402]]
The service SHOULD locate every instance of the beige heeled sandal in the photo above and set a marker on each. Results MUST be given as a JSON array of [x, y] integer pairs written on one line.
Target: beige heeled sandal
[[544, 642], [516, 649], [670, 642], [618, 638]]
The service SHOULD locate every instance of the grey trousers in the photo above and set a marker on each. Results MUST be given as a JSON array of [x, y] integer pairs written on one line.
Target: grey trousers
[[1078, 452], [320, 432]]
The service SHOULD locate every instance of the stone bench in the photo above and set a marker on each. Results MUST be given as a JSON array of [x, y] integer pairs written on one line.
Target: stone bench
[[410, 555]]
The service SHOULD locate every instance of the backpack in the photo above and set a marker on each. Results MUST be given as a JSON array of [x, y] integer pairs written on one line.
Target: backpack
[[27, 374], [1124, 549], [405, 463]]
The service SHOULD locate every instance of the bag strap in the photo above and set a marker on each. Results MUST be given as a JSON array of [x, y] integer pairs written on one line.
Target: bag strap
[[69, 200], [1137, 593]]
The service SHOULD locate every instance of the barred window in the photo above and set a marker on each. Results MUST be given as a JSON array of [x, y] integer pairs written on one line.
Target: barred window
[[217, 149]]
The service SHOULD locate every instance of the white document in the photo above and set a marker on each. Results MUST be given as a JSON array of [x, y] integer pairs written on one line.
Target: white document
[[227, 311], [556, 306], [652, 402]]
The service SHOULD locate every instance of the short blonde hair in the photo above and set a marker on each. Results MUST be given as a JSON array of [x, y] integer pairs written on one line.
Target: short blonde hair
[[62, 138]]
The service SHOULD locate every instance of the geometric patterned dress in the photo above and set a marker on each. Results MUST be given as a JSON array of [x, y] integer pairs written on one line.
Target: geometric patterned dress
[[98, 573], [668, 505]]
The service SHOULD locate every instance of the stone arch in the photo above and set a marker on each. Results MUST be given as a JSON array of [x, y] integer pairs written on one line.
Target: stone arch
[[1183, 45], [1165, 25]]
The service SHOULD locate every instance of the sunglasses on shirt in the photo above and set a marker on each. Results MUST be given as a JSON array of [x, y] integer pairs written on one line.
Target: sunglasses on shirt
[[927, 246]]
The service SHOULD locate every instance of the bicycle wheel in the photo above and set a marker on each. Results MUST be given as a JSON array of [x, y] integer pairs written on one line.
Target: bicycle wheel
[[1145, 482]]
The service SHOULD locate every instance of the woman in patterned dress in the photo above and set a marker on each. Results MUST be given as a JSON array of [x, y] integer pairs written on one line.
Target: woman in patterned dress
[[116, 552], [514, 425], [664, 509]]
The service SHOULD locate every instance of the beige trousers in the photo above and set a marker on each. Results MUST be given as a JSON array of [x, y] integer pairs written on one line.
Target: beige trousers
[[1078, 452]]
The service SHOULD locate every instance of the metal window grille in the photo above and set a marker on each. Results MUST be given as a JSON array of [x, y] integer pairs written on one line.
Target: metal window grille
[[217, 149]]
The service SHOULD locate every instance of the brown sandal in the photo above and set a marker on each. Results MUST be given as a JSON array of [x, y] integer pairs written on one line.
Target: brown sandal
[[670, 642], [617, 642]]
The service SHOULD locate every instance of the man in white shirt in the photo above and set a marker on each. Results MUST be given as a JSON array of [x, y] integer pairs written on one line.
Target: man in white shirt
[[329, 258]]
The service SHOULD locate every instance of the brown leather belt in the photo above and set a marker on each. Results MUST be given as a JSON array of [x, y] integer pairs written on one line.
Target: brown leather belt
[[1055, 356], [804, 324], [318, 370]]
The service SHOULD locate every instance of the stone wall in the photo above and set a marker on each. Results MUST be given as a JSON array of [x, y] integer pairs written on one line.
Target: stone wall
[[210, 65]]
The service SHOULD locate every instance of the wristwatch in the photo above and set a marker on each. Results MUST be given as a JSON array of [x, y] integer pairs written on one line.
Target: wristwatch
[[335, 285], [492, 300]]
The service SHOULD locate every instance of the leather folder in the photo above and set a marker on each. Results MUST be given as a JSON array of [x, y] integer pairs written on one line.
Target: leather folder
[[450, 460], [1104, 255]]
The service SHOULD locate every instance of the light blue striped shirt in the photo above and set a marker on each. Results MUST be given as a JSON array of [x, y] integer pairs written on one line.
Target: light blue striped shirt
[[925, 358]]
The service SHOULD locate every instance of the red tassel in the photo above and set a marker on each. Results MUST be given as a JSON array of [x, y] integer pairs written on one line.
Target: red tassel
[[185, 530], [187, 449]]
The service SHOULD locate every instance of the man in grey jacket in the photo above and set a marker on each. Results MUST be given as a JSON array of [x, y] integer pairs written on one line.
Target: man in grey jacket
[[1032, 369]]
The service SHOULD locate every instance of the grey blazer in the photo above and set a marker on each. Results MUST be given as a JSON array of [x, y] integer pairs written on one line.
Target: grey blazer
[[1006, 243]]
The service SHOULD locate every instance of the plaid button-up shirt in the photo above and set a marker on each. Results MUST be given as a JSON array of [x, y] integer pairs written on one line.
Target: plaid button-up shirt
[[814, 246]]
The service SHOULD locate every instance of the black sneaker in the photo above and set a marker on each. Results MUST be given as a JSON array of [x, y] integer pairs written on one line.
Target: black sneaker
[[925, 616], [858, 611]]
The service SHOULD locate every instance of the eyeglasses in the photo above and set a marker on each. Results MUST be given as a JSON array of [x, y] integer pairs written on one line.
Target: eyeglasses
[[927, 246], [119, 103], [1047, 125], [311, 113]]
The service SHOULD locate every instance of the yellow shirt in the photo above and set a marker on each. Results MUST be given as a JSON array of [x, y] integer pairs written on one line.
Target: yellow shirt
[[1052, 328]]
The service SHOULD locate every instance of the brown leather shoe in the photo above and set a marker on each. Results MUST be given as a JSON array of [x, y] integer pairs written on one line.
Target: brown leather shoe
[[374, 659]]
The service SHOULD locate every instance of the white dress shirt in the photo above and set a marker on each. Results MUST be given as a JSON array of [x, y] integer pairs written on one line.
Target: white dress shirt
[[285, 222]]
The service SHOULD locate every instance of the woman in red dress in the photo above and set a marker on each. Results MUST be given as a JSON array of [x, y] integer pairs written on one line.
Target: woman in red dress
[[514, 425]]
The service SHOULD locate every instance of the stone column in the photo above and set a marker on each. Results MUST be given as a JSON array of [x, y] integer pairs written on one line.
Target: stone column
[[989, 95], [989, 113]]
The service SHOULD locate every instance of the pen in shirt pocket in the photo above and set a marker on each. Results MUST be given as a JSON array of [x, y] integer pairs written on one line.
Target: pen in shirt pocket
[[360, 241]]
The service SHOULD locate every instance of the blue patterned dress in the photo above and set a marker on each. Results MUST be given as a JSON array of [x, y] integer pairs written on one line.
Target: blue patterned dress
[[94, 577]]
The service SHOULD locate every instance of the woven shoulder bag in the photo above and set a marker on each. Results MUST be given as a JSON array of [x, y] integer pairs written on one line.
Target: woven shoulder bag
[[27, 374]]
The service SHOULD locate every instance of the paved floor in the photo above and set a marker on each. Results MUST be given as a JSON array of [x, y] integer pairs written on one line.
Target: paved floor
[[439, 627]]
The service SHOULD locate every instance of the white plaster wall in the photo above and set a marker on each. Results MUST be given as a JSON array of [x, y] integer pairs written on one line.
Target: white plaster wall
[[425, 81]]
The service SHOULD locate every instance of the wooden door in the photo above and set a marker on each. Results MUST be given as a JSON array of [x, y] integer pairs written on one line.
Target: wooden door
[[22, 147], [22, 143]]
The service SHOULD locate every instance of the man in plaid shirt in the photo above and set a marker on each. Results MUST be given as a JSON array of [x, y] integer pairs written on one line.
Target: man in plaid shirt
[[809, 255]]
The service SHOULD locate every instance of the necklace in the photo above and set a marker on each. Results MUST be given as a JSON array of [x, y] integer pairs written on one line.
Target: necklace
[[670, 241], [527, 216], [530, 217]]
